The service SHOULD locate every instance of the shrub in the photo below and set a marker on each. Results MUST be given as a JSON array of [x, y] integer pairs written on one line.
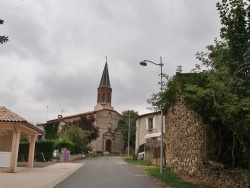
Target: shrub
[[44, 148], [23, 151]]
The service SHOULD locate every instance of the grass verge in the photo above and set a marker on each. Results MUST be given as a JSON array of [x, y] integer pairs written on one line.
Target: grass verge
[[138, 162], [168, 177]]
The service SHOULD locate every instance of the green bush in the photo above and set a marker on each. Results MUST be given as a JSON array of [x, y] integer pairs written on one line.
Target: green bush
[[23, 151], [44, 148]]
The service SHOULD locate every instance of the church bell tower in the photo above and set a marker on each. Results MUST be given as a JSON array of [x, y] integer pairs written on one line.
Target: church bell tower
[[104, 91]]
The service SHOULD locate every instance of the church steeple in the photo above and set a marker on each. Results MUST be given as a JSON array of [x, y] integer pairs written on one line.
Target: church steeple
[[105, 76], [104, 91]]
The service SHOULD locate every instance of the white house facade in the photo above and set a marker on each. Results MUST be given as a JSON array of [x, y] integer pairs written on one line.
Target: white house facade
[[148, 127]]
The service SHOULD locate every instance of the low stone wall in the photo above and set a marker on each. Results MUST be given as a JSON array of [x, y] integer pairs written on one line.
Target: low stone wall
[[224, 178], [75, 157], [185, 140]]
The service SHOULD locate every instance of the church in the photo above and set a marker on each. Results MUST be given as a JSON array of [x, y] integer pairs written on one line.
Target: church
[[106, 119]]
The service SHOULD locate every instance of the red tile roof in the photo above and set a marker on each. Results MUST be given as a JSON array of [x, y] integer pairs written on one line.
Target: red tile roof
[[7, 115], [84, 113]]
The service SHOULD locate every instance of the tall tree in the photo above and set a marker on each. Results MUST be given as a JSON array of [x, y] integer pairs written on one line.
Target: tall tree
[[88, 124], [129, 118], [221, 95], [3, 39], [227, 86]]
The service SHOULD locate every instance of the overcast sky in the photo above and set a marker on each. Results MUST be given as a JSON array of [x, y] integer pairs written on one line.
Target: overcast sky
[[57, 51]]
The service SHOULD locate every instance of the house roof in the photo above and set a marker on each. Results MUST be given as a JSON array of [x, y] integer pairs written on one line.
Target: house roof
[[148, 114], [7, 115], [85, 113]]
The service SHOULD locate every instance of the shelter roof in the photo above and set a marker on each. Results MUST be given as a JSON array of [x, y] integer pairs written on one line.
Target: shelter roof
[[8, 116]]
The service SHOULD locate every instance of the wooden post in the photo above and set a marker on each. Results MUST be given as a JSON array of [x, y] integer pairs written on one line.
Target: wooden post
[[31, 151]]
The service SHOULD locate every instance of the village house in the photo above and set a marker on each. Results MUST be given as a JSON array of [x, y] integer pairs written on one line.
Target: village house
[[148, 134]]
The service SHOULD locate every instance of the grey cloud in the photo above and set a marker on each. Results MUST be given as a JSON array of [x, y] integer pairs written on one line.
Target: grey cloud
[[57, 50]]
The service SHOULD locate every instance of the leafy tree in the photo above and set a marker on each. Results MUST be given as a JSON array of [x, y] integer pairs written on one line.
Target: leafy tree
[[88, 124], [3, 39], [228, 85], [221, 93], [123, 127], [75, 134]]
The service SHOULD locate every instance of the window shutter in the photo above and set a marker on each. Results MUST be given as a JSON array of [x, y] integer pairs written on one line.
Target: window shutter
[[153, 123], [147, 124]]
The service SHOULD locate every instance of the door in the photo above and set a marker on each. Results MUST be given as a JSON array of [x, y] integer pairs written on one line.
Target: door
[[108, 146]]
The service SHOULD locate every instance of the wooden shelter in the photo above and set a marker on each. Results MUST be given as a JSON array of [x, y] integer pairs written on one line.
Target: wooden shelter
[[12, 126]]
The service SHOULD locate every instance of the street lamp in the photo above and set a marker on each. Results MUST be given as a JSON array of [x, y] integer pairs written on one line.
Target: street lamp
[[144, 63], [128, 131]]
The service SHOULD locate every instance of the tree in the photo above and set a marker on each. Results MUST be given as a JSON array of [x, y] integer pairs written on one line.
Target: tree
[[123, 127], [88, 124], [76, 135], [3, 39], [228, 79], [221, 92]]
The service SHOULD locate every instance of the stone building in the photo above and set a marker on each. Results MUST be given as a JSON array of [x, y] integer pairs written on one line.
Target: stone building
[[106, 119]]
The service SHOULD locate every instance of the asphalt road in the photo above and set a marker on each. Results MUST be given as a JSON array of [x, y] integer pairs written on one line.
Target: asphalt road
[[108, 172]]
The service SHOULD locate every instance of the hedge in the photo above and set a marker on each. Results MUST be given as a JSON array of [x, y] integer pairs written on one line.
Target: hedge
[[43, 148]]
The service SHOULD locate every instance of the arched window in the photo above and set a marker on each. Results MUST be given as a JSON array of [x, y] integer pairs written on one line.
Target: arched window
[[103, 97], [99, 97]]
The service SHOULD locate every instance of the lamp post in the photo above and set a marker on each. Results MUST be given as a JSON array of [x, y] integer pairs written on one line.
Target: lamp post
[[128, 131], [144, 63]]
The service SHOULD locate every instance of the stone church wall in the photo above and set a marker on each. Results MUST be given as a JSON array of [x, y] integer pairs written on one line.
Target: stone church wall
[[185, 140], [107, 120]]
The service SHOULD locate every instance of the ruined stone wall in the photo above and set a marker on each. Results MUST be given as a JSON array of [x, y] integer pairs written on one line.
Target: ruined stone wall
[[185, 140]]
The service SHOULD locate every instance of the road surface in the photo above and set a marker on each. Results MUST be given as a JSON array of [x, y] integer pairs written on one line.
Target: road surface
[[108, 172]]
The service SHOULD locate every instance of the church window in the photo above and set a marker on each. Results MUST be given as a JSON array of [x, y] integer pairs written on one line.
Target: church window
[[109, 98], [99, 97], [103, 97]]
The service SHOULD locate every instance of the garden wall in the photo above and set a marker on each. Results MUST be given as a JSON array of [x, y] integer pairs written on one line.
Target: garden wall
[[185, 140], [190, 147]]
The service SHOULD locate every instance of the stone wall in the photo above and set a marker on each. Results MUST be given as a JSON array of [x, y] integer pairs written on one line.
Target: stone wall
[[107, 120], [185, 140], [190, 147]]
